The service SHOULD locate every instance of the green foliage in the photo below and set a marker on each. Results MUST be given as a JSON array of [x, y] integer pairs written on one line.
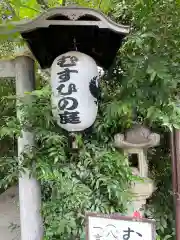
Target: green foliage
[[150, 61], [160, 206], [143, 86], [94, 178]]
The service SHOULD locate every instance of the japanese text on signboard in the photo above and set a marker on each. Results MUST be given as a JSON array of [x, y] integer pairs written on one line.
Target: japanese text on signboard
[[67, 104], [100, 228]]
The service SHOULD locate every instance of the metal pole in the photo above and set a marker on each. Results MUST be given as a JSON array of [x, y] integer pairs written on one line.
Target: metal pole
[[175, 155], [29, 188]]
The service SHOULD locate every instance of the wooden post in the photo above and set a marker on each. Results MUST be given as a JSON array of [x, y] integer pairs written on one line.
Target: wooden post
[[29, 189], [175, 156]]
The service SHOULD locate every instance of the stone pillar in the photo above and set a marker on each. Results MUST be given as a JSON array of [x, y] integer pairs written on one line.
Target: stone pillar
[[137, 141], [29, 188]]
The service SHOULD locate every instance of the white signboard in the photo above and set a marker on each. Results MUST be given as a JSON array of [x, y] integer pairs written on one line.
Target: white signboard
[[115, 227]]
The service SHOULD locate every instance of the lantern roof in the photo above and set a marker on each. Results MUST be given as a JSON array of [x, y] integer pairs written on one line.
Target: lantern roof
[[64, 29]]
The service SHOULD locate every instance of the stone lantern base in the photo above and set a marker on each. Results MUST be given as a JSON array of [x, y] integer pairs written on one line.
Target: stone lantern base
[[141, 192]]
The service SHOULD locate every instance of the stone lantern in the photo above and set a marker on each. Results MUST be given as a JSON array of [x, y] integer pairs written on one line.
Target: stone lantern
[[135, 144]]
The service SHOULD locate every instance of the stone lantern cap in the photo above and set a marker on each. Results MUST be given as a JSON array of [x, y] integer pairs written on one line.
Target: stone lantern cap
[[137, 137], [136, 141]]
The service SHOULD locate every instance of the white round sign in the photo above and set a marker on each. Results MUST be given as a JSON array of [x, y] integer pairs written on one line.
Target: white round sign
[[74, 82]]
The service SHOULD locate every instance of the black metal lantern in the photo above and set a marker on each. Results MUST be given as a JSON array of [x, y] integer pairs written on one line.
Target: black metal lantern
[[63, 29]]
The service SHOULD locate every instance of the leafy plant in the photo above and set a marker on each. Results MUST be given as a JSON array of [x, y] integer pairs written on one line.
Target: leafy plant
[[142, 86]]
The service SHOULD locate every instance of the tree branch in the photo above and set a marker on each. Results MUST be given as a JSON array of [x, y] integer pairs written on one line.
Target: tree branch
[[100, 4], [43, 4], [63, 2], [10, 8]]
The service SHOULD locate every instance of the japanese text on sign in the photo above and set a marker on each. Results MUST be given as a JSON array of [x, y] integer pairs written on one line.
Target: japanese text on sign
[[102, 228], [67, 104]]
